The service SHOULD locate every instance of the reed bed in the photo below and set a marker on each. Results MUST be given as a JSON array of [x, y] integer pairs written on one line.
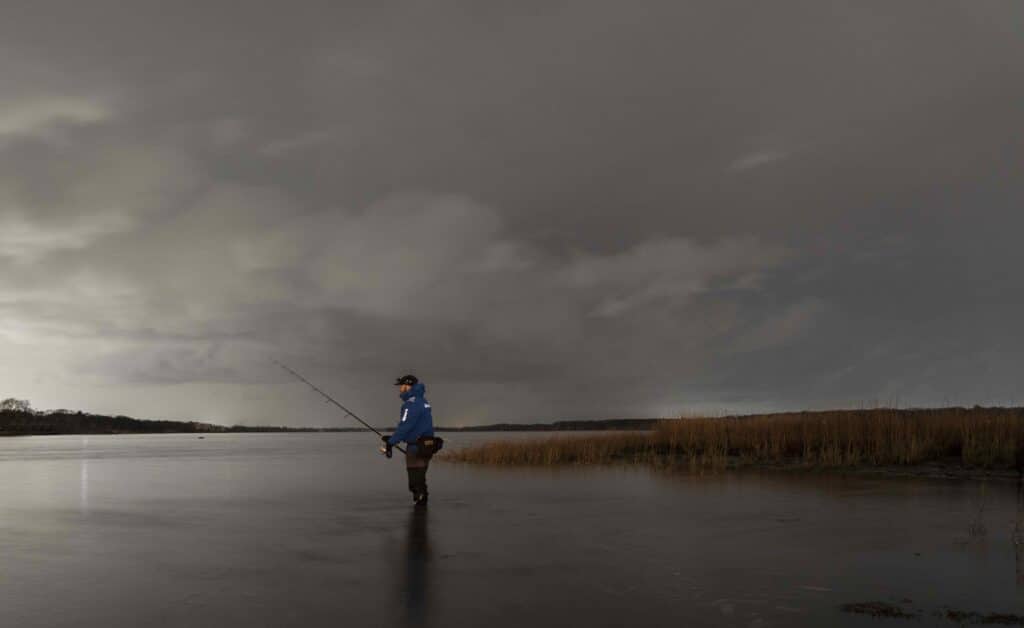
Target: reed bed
[[974, 438]]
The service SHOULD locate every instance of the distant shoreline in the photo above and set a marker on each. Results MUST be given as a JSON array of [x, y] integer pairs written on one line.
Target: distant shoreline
[[61, 422]]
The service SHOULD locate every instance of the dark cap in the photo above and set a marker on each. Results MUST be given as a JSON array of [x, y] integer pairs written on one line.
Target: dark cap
[[407, 379]]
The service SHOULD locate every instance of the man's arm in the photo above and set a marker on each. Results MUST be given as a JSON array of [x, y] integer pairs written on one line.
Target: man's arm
[[410, 415]]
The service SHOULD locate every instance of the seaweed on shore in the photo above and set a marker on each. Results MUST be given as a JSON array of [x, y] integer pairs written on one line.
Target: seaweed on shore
[[891, 611], [878, 609], [1002, 619]]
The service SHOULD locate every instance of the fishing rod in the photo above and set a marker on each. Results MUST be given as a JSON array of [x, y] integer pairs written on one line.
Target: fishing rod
[[332, 400]]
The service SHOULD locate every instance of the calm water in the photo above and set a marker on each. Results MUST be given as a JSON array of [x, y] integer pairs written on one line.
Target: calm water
[[318, 530]]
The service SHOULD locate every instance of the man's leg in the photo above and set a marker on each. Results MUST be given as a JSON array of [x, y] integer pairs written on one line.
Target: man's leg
[[418, 483], [416, 468], [421, 479]]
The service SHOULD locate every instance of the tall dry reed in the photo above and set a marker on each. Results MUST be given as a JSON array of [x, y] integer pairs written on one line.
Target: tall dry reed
[[984, 438]]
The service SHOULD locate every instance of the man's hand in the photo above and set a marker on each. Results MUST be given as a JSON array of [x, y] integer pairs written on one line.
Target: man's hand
[[386, 450]]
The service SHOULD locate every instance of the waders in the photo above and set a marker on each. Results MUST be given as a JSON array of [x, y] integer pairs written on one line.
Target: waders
[[416, 467]]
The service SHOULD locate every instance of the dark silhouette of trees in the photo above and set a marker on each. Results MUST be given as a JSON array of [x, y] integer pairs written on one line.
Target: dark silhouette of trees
[[17, 418], [15, 405]]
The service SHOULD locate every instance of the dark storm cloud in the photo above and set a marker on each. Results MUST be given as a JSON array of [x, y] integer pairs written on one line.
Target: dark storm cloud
[[545, 209]]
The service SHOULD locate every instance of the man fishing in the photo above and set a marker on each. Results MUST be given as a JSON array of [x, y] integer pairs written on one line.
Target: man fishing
[[416, 429]]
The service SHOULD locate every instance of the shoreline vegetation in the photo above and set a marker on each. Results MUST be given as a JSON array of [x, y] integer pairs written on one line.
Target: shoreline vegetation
[[22, 420], [941, 442], [67, 422]]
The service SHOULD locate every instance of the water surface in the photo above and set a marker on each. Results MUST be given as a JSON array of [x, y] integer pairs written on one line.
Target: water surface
[[319, 530]]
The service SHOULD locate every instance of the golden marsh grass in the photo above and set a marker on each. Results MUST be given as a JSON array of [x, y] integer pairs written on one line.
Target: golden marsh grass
[[976, 438]]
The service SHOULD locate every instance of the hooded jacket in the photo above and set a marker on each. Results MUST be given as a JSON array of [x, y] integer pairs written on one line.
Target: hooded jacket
[[416, 419]]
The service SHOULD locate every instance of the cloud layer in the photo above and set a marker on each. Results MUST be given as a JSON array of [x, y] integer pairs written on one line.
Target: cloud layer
[[554, 210]]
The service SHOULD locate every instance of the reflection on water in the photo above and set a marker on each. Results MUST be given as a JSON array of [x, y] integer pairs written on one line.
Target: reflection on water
[[316, 530], [1018, 534], [83, 501], [417, 576]]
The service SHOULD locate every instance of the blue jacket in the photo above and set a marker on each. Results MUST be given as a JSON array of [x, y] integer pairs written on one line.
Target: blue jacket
[[416, 419]]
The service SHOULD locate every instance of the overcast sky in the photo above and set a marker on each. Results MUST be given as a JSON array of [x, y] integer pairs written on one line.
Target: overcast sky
[[545, 210]]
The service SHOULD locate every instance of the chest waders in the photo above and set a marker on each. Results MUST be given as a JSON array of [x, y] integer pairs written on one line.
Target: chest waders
[[416, 467], [417, 460]]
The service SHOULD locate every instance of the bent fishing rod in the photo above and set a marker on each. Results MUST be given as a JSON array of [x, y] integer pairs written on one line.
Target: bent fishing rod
[[331, 399]]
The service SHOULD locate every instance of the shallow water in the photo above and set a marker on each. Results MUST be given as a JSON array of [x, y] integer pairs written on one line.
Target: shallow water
[[318, 530]]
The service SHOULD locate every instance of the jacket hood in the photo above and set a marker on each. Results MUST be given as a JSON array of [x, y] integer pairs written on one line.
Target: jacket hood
[[417, 390]]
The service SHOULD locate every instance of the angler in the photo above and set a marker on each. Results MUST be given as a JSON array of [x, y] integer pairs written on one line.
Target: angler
[[416, 429]]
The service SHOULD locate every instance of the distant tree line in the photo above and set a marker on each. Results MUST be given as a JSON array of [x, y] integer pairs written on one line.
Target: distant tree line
[[17, 418], [15, 405]]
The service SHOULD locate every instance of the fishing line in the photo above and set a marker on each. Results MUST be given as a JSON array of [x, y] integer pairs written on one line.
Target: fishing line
[[332, 400]]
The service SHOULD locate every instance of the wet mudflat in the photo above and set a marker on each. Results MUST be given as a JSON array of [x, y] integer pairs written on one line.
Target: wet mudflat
[[318, 530]]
